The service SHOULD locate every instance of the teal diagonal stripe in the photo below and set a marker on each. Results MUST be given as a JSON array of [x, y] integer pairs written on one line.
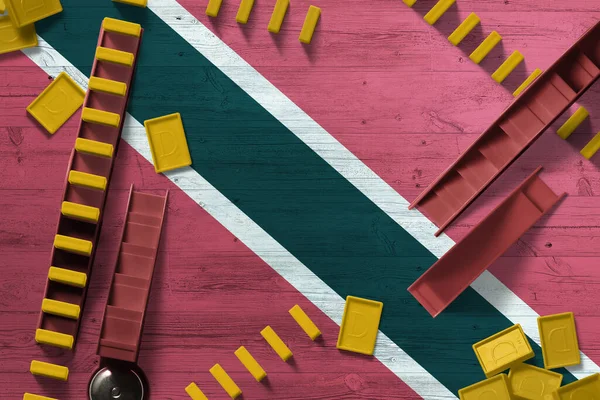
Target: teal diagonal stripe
[[287, 189]]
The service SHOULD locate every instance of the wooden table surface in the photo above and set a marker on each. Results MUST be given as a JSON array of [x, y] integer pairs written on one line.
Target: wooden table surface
[[395, 93]]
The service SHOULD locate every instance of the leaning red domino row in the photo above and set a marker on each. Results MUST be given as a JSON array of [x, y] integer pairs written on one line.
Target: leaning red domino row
[[88, 177], [132, 277], [550, 95]]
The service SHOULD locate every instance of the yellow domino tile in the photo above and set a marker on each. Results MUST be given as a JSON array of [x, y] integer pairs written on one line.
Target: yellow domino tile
[[49, 370], [437, 11], [168, 144], [592, 147], [212, 9], [29, 396], [310, 23], [67, 277], [107, 86], [13, 39], [495, 388], [137, 3], [537, 72], [558, 337], [55, 105], [507, 66], [225, 381], [80, 211], [2, 7], [278, 14], [73, 245], [26, 12], [485, 47], [587, 388], [52, 338], [250, 363], [409, 3], [91, 181], [463, 29], [88, 146], [276, 343], [305, 322], [360, 324], [572, 123], [114, 56], [194, 392], [122, 27], [503, 350], [528, 382], [101, 117], [243, 13]]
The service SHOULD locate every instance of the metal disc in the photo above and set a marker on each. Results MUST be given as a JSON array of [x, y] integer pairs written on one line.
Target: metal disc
[[117, 383]]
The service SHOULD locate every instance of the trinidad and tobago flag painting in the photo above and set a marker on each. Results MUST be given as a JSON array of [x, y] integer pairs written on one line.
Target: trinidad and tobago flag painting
[[305, 158]]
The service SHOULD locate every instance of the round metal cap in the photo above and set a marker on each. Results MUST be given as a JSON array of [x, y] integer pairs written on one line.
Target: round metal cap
[[117, 383]]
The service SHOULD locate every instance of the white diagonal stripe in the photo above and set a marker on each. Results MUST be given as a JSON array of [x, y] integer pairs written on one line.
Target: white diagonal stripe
[[345, 162], [255, 238]]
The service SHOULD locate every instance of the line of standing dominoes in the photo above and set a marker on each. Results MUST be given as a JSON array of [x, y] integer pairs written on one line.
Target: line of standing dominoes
[[488, 44], [250, 363], [277, 17]]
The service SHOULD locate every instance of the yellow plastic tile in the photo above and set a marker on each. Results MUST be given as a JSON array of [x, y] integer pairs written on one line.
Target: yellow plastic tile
[[463, 29], [114, 56], [55, 105], [29, 396], [225, 381], [243, 13], [168, 144], [592, 147], [212, 9], [73, 245], [495, 388], [61, 308], [310, 23], [560, 347], [437, 11], [537, 72], [507, 66], [107, 86], [67, 277], [587, 388], [528, 382], [503, 350], [123, 27], [276, 343], [409, 3], [2, 7], [572, 123], [194, 392], [13, 39], [485, 47], [101, 117], [88, 146], [360, 325], [305, 322], [250, 363], [278, 14], [80, 211], [137, 3], [26, 12], [88, 180], [57, 339], [49, 370]]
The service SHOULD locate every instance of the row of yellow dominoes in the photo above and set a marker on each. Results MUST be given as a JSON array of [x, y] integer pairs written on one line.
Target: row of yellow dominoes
[[250, 363], [569, 127], [510, 348], [484, 48], [279, 11]]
